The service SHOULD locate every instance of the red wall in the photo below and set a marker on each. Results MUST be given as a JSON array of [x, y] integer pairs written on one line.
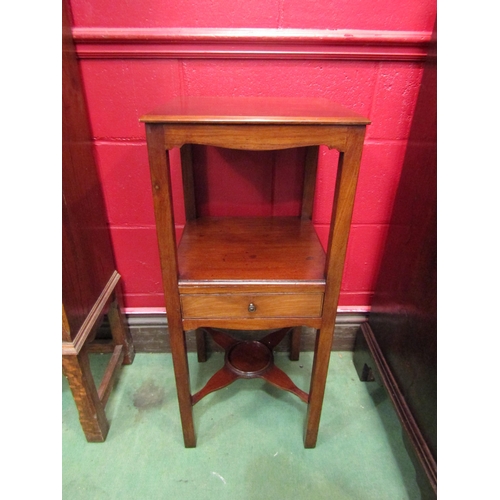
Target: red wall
[[367, 55]]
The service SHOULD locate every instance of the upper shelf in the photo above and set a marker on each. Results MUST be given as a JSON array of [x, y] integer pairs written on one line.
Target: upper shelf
[[256, 110]]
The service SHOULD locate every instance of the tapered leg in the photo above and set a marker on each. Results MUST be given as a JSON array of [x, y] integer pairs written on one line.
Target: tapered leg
[[76, 368], [310, 170], [167, 246], [181, 369], [295, 343], [201, 345], [319, 373], [345, 189]]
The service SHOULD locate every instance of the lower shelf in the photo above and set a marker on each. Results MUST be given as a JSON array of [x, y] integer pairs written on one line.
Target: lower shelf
[[249, 359]]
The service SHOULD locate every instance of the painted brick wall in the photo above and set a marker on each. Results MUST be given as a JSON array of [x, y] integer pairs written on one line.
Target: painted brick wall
[[364, 54]]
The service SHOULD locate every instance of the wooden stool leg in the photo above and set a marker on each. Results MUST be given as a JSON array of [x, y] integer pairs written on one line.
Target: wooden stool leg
[[295, 343], [76, 368], [120, 332]]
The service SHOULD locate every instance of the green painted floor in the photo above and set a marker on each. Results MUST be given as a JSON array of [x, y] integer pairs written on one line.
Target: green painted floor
[[249, 439]]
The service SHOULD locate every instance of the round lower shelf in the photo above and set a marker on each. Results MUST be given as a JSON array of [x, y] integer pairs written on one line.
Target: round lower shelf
[[249, 359]]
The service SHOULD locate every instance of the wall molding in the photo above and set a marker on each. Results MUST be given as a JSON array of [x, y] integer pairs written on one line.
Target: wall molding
[[242, 43]]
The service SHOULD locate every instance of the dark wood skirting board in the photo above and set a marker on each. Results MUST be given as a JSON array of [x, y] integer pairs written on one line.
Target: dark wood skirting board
[[371, 365], [150, 334]]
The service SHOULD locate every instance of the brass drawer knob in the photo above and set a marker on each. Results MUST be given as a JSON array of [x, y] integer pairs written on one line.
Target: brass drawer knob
[[252, 307]]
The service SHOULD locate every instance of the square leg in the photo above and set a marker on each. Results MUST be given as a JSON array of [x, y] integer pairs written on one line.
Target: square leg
[[295, 343], [201, 345], [181, 369]]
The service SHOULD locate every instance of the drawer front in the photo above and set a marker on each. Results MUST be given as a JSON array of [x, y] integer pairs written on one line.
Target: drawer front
[[305, 305]]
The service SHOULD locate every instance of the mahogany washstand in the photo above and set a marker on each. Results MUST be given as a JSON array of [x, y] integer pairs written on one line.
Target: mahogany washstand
[[259, 273]]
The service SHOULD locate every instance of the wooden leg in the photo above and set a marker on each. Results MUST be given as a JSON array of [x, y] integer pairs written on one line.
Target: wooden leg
[[345, 188], [76, 369], [310, 170], [322, 349], [295, 343], [188, 182], [181, 369], [120, 332], [165, 227], [201, 345]]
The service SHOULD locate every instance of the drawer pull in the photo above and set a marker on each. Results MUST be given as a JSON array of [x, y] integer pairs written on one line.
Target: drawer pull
[[252, 307]]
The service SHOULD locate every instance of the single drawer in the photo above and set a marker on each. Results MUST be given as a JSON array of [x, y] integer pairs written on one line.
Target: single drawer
[[272, 305]]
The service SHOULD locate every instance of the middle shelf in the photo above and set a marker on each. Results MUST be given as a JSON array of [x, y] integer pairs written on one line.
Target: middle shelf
[[252, 251]]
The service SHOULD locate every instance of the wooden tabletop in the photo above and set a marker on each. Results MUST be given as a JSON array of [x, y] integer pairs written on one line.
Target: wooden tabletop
[[263, 110]]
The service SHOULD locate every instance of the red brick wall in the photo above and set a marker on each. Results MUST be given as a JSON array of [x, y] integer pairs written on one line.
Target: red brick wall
[[367, 55]]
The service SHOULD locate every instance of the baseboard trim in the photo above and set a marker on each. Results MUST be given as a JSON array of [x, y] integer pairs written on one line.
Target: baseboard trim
[[150, 334], [371, 365]]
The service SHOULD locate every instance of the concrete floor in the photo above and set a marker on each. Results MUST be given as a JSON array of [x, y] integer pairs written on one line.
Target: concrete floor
[[249, 439]]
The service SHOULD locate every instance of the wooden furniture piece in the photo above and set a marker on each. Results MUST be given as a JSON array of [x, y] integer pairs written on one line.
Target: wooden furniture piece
[[90, 282], [397, 347], [252, 273]]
